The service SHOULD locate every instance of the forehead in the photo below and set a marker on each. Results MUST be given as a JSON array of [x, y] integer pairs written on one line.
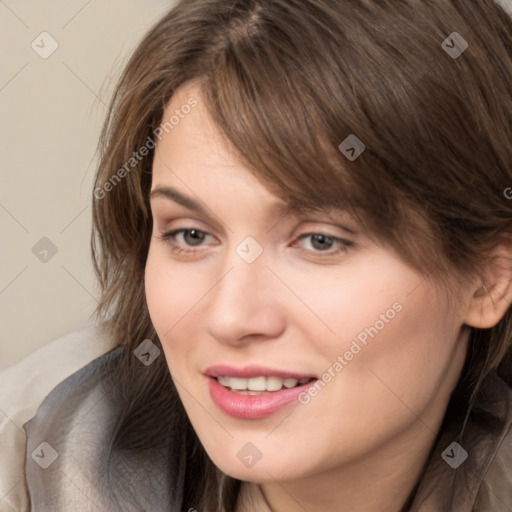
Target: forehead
[[194, 163], [189, 138]]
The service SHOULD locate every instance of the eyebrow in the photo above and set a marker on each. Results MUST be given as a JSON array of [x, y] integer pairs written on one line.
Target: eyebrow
[[276, 209], [175, 195], [172, 194]]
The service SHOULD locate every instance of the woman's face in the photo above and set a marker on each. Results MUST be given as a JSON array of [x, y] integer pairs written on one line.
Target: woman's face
[[297, 344]]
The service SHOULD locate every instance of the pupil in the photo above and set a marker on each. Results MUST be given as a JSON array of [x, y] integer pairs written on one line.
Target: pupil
[[321, 242], [194, 237]]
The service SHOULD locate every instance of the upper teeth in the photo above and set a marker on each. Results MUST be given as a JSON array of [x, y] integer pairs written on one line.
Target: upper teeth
[[260, 383]]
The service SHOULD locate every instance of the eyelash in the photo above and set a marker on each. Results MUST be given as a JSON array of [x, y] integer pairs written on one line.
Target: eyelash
[[344, 245]]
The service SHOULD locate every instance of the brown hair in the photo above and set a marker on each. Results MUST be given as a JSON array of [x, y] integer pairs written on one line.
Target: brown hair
[[287, 81]]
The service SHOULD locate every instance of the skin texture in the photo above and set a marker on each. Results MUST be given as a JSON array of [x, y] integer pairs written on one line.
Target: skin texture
[[358, 445]]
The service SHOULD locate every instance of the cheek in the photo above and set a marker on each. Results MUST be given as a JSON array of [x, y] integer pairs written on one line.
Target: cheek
[[420, 339], [171, 293], [337, 306], [403, 364], [394, 332]]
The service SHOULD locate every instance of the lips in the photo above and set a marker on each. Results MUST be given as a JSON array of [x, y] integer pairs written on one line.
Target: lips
[[255, 392]]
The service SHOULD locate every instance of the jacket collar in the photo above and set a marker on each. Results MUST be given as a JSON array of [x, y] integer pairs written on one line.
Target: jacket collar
[[452, 481]]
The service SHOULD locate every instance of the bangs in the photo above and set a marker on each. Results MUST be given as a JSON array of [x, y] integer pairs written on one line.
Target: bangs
[[287, 128], [287, 90]]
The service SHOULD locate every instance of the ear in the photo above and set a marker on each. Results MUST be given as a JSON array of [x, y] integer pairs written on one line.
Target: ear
[[493, 294]]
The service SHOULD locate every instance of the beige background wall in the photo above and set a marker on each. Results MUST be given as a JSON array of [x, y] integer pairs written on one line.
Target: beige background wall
[[51, 110]]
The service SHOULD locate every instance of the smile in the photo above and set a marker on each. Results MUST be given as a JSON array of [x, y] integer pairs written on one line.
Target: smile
[[259, 385], [254, 393]]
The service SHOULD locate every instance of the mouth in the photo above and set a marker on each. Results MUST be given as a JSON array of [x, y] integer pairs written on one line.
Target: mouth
[[255, 392], [260, 385]]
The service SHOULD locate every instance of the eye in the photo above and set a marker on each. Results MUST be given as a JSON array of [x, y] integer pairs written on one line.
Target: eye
[[186, 237], [320, 242]]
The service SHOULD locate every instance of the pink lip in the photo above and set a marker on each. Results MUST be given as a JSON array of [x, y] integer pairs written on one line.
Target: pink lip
[[253, 407]]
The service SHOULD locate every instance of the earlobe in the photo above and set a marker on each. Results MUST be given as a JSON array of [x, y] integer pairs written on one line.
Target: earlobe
[[492, 297]]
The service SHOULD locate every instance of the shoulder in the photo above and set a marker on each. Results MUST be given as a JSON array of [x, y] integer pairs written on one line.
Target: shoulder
[[78, 458], [23, 387], [495, 493]]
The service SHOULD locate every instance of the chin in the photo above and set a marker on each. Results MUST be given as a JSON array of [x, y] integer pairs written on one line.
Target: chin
[[265, 469]]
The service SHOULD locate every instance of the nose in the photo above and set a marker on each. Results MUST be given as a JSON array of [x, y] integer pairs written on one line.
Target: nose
[[244, 305]]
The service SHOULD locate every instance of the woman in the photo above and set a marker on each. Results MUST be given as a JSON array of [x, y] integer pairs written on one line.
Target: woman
[[304, 245]]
